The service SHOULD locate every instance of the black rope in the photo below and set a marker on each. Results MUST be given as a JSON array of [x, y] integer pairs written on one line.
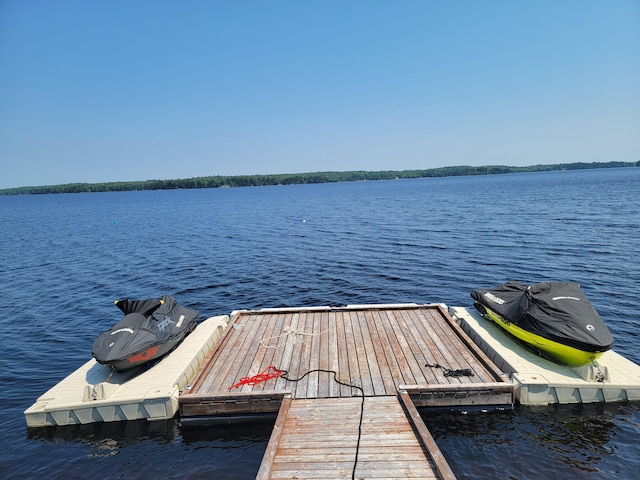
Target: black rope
[[335, 378], [461, 372]]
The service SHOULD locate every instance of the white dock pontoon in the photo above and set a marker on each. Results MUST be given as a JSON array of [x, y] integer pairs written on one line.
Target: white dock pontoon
[[539, 381], [94, 394]]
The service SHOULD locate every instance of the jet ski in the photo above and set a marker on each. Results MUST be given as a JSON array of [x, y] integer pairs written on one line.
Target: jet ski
[[149, 330], [554, 318]]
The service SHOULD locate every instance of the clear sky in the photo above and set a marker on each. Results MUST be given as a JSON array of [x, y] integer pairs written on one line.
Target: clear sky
[[109, 90]]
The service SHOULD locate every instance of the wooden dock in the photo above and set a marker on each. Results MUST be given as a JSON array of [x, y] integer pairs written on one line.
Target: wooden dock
[[318, 439], [317, 364], [381, 349]]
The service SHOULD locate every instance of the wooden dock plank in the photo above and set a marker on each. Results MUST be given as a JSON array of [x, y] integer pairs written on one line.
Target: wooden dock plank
[[446, 352], [234, 355], [437, 347], [303, 365], [376, 368], [241, 366], [417, 349], [409, 369], [225, 360], [313, 379], [202, 378], [290, 341], [360, 354], [303, 444], [333, 362], [379, 470], [467, 356], [355, 376], [263, 356], [275, 353], [386, 351], [325, 380], [409, 451], [456, 349], [343, 356], [274, 357]]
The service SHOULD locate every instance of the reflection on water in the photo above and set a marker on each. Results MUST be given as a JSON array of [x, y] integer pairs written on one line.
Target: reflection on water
[[119, 432], [559, 441], [159, 448], [256, 429]]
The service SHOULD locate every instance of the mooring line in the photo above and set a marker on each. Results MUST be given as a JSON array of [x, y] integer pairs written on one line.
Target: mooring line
[[340, 382]]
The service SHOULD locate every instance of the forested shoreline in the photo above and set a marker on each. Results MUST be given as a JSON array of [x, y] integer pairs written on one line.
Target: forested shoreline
[[219, 181]]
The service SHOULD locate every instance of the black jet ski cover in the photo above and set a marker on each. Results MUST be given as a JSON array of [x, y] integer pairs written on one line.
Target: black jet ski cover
[[150, 329], [558, 311]]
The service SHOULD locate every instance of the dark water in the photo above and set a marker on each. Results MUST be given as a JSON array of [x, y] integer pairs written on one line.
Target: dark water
[[65, 258]]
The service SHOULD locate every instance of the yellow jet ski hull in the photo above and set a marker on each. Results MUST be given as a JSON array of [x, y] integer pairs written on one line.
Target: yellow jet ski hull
[[564, 354]]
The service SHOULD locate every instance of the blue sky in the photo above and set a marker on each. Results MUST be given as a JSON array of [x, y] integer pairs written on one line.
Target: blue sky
[[97, 91]]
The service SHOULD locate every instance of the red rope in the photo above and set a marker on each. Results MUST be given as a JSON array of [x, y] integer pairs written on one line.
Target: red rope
[[267, 374]]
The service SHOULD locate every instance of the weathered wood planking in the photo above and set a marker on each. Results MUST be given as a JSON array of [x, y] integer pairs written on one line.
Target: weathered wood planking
[[376, 348], [442, 467], [317, 439]]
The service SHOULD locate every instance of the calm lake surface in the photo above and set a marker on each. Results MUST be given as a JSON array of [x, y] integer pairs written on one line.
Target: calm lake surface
[[66, 258]]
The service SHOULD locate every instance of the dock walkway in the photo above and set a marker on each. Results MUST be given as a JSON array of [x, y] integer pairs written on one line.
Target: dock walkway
[[318, 439], [315, 367]]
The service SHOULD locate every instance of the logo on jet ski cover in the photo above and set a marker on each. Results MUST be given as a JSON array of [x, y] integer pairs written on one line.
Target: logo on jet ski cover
[[493, 298], [165, 323], [122, 330]]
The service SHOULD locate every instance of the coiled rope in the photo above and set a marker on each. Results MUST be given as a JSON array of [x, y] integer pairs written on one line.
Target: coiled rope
[[461, 372], [297, 334], [267, 374]]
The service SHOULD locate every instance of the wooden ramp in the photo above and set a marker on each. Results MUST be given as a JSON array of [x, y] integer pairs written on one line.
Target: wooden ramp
[[321, 439]]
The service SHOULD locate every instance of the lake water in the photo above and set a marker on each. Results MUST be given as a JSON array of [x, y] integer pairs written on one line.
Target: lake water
[[66, 258]]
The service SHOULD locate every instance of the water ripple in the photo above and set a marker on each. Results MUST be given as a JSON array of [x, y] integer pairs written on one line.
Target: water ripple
[[67, 257]]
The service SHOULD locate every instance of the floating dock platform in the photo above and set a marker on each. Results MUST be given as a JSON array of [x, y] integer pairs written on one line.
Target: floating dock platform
[[382, 349], [538, 381], [93, 394], [345, 383]]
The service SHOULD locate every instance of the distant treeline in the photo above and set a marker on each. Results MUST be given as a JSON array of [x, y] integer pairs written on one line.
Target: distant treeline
[[301, 178]]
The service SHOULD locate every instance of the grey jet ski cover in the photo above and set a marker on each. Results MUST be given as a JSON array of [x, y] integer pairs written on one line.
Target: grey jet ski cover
[[558, 311], [150, 329]]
